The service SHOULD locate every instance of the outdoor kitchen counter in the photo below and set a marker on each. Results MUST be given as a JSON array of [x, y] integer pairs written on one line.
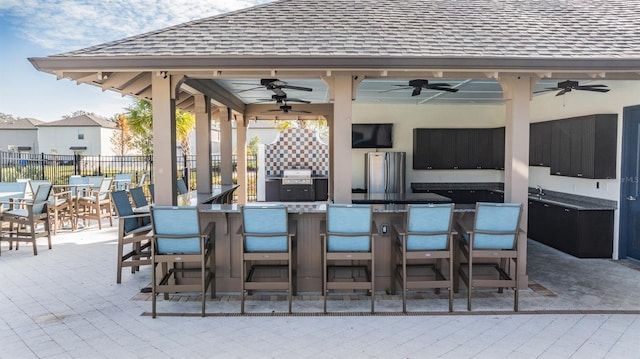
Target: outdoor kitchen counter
[[309, 246]]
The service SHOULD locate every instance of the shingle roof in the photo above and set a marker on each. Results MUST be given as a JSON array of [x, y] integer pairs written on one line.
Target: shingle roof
[[21, 124], [80, 121], [444, 28]]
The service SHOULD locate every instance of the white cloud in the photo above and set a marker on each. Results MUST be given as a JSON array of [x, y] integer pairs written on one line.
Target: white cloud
[[64, 25]]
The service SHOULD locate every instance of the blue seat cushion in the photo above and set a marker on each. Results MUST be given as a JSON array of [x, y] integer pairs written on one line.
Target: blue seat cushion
[[416, 242], [265, 244], [348, 243], [190, 245]]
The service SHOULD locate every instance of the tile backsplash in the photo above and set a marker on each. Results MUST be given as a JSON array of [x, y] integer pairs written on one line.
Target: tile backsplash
[[297, 148]]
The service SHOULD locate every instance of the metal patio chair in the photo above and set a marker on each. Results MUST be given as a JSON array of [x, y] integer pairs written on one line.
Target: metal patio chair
[[491, 243]]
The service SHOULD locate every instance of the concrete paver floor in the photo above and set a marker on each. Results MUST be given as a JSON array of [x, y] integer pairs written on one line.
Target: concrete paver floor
[[64, 303]]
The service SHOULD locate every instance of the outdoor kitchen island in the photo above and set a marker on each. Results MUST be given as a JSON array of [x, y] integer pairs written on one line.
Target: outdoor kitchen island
[[309, 246]]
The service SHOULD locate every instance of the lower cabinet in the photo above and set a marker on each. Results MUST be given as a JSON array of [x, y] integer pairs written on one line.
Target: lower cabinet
[[581, 233]]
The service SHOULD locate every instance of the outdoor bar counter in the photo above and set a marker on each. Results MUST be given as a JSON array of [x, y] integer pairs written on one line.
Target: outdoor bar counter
[[309, 246]]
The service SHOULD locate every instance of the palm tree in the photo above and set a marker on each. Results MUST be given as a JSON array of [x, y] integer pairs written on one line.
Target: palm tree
[[140, 117]]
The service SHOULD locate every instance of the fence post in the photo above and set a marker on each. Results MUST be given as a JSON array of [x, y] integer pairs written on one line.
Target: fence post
[[42, 165]]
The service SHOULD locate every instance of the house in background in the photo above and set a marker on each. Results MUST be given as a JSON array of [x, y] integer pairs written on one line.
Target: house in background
[[84, 134], [20, 135]]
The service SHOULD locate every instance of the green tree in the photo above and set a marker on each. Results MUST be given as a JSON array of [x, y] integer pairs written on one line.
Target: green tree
[[320, 126], [4, 117], [252, 147], [140, 118], [78, 113]]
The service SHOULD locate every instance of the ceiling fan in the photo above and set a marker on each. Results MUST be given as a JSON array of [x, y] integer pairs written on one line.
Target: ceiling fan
[[419, 84], [287, 108], [276, 86], [282, 99], [568, 86]]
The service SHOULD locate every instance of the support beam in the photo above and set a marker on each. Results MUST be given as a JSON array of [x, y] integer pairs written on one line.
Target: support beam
[[517, 94], [226, 146], [164, 141], [341, 140], [202, 111], [241, 152]]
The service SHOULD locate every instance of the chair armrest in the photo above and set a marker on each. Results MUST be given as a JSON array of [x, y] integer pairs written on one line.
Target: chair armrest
[[138, 215], [399, 230], [462, 226], [374, 230], [323, 228], [293, 228]]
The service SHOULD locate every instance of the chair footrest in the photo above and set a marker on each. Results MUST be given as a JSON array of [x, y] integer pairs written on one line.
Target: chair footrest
[[349, 285]]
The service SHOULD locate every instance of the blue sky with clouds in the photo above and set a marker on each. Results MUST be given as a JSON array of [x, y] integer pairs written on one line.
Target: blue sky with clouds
[[39, 28]]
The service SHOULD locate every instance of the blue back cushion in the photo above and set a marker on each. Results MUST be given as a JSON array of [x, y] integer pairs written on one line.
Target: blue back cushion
[[41, 197], [348, 228], [265, 228], [123, 207], [428, 227], [496, 217], [176, 221], [76, 180]]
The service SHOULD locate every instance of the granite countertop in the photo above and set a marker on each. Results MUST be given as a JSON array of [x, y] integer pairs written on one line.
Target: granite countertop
[[551, 197], [573, 201]]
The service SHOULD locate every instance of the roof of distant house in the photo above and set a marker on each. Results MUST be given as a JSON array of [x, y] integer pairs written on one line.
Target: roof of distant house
[[21, 124], [80, 121]]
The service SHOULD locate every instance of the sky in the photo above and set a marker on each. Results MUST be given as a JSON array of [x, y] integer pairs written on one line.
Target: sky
[[39, 28]]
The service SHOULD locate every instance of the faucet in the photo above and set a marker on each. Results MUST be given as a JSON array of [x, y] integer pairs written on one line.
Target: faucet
[[540, 191]]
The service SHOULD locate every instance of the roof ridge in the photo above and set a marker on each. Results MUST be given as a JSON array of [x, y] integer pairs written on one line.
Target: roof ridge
[[169, 28]]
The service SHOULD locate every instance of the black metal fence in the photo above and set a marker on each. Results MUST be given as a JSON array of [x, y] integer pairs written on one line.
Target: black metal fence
[[58, 168]]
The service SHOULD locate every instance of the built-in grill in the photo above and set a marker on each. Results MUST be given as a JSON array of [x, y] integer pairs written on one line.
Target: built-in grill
[[297, 185]]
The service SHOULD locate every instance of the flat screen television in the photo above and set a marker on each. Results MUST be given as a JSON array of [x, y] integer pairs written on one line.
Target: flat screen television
[[372, 135]]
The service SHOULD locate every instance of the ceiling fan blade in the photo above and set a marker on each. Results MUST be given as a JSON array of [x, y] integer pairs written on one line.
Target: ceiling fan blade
[[590, 86], [299, 88], [296, 100], [448, 89], [562, 92], [416, 91], [400, 87], [300, 111], [440, 84], [251, 89], [593, 89]]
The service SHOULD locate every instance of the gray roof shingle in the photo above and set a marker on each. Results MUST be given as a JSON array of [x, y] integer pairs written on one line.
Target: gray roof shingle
[[80, 121], [421, 28], [21, 124]]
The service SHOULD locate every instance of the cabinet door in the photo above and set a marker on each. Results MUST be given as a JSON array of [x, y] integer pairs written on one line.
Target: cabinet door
[[560, 148], [566, 225], [575, 147], [540, 144], [465, 154], [484, 149], [497, 144], [420, 149], [535, 224]]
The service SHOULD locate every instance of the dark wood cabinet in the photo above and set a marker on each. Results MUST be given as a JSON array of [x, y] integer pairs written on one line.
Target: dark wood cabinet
[[272, 189], [321, 188], [540, 144], [581, 233], [476, 148], [584, 146], [497, 148]]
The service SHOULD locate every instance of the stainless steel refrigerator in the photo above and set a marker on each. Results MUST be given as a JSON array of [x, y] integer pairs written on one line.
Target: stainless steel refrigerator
[[385, 172]]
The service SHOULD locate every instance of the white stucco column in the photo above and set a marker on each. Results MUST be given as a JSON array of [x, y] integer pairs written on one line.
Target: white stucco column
[[341, 139], [226, 146], [203, 143], [164, 140], [517, 96], [241, 152]]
